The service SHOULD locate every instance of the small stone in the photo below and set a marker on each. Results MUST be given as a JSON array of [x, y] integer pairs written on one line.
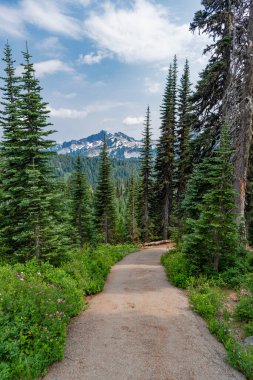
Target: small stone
[[248, 342]]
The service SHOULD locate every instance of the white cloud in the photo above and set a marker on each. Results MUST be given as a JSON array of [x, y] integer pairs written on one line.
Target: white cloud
[[51, 46], [70, 95], [52, 66], [143, 32], [10, 22], [82, 113], [92, 58], [164, 69], [68, 113], [50, 15], [152, 86], [133, 120]]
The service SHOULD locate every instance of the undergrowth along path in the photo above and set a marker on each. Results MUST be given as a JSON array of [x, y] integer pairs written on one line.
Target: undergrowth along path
[[141, 328]]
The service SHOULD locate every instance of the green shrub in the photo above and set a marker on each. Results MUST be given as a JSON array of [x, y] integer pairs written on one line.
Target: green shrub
[[206, 300], [90, 268], [233, 277], [244, 309], [240, 357], [177, 268], [36, 304], [248, 328], [248, 282], [37, 301]]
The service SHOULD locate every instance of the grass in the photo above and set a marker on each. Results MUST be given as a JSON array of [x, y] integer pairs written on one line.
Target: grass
[[37, 302], [208, 297]]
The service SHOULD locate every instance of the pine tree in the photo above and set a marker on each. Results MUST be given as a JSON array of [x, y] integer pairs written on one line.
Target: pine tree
[[36, 231], [212, 243], [11, 162], [81, 210], [197, 186], [104, 198], [132, 226], [242, 92], [183, 164], [121, 201], [164, 165], [146, 180], [216, 21]]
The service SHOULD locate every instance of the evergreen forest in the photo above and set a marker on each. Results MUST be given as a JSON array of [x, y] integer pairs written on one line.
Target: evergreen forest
[[65, 220]]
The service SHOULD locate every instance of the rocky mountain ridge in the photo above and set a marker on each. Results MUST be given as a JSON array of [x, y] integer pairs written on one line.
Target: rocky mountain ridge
[[119, 145]]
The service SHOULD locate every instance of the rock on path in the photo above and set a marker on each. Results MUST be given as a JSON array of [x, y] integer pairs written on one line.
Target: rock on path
[[141, 328]]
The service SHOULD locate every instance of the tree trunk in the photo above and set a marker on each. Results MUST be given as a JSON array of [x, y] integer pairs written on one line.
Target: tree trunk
[[216, 263], [244, 140]]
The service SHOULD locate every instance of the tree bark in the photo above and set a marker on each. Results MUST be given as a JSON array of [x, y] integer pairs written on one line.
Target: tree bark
[[244, 140]]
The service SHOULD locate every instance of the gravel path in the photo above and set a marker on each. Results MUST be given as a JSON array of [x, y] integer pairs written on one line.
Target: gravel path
[[141, 328]]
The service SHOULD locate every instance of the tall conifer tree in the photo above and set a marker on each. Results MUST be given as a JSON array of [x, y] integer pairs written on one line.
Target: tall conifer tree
[[164, 165], [36, 231], [105, 212], [146, 180], [216, 21], [212, 242], [81, 210], [183, 134], [132, 225], [11, 156]]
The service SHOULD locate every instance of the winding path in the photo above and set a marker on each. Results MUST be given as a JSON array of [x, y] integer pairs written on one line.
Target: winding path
[[141, 328]]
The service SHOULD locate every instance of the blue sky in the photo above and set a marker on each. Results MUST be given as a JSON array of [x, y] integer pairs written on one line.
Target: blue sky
[[101, 63]]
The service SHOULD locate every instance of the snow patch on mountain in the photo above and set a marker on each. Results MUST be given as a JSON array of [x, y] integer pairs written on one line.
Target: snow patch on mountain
[[119, 145]]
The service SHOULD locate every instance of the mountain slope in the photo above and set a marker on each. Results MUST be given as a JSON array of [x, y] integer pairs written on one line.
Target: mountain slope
[[64, 165], [119, 145]]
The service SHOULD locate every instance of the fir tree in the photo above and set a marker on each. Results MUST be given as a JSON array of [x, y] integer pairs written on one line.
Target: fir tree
[[11, 156], [213, 241], [164, 165], [197, 186], [36, 231], [132, 226], [216, 21], [104, 198], [145, 179], [81, 210], [183, 165], [121, 201]]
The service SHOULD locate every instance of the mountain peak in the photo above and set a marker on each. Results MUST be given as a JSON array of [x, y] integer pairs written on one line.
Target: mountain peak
[[119, 145]]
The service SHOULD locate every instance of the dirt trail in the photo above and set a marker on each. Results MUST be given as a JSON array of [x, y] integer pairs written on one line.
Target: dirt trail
[[141, 328]]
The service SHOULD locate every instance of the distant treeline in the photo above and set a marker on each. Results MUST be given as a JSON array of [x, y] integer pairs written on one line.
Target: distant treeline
[[64, 165]]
